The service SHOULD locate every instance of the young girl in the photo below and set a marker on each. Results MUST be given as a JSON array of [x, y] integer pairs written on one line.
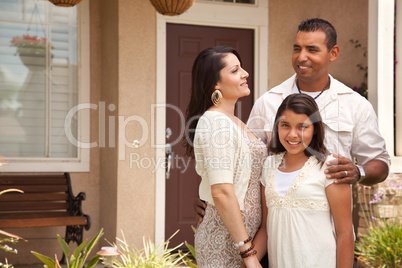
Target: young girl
[[300, 201]]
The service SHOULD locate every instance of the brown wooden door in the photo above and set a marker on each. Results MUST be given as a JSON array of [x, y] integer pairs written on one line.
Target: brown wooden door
[[184, 42]]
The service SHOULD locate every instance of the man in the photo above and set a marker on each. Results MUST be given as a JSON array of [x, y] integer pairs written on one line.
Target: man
[[351, 126], [350, 121]]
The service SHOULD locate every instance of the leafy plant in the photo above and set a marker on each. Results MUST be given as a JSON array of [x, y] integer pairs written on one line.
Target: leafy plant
[[362, 89], [6, 265], [149, 256], [77, 259], [10, 238], [187, 261], [382, 246]]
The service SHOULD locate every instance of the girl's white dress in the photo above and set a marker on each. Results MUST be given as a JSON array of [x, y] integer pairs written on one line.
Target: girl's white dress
[[299, 224]]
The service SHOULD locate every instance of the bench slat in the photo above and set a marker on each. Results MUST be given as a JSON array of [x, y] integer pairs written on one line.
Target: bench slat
[[33, 215], [33, 197], [43, 222], [27, 180], [24, 206], [36, 188]]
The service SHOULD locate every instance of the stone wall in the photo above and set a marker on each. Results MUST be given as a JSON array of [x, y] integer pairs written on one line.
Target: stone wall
[[381, 201]]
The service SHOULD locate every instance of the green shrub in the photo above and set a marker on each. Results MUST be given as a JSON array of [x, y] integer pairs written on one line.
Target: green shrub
[[382, 246], [77, 259]]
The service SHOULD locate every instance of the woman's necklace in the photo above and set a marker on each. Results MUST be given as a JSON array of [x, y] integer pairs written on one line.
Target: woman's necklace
[[326, 86]]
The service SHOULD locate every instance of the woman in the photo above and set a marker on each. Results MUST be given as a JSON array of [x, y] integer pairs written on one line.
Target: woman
[[229, 160]]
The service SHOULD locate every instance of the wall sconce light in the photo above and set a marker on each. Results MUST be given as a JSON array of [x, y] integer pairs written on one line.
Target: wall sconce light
[[109, 255]]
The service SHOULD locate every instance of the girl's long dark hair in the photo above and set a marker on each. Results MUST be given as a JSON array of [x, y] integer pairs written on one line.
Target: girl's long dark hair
[[302, 104], [205, 75]]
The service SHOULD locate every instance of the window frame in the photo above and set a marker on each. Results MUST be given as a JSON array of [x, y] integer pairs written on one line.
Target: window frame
[[81, 162]]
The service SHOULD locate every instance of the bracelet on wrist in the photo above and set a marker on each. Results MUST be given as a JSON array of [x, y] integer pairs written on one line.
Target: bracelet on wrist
[[247, 250], [249, 254], [242, 243]]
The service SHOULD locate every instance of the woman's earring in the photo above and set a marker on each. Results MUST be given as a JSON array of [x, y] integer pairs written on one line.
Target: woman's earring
[[216, 97]]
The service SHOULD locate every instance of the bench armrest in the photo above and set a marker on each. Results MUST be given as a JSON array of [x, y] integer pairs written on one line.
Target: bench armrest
[[76, 202]]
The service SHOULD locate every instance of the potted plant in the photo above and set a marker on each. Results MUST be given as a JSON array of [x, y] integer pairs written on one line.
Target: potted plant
[[31, 49]]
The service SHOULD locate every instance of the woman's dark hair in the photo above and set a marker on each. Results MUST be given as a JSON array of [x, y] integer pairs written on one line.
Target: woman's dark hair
[[205, 75], [313, 25], [301, 104]]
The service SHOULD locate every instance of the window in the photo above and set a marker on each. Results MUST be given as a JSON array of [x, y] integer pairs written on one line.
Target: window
[[39, 83]]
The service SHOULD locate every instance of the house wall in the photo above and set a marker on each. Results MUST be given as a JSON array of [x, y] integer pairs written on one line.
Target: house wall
[[125, 68], [137, 93], [120, 197], [350, 19], [104, 68]]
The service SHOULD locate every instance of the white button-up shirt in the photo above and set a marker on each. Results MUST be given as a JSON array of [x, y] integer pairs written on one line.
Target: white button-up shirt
[[351, 126]]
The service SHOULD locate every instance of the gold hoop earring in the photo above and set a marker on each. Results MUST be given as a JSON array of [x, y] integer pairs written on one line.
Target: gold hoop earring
[[216, 97]]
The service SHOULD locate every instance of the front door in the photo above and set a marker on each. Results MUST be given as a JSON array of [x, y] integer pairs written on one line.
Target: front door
[[184, 42]]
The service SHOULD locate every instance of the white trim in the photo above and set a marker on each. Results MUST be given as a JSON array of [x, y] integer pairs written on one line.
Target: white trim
[[81, 163], [210, 14], [398, 75], [380, 72]]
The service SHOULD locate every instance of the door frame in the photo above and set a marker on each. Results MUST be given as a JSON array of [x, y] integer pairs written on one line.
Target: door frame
[[216, 14]]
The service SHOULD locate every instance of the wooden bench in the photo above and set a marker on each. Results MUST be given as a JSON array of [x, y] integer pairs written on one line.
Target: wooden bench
[[47, 201]]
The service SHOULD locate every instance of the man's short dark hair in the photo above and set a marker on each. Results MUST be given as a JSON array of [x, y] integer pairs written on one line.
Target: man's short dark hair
[[316, 24]]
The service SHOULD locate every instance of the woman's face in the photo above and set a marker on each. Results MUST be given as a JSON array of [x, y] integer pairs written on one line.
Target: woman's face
[[295, 132], [233, 82]]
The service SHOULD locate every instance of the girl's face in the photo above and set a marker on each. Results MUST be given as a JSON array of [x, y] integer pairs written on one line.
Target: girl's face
[[295, 132], [233, 82]]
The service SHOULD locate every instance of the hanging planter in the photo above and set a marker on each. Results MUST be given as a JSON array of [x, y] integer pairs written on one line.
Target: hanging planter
[[65, 3], [32, 50], [172, 7]]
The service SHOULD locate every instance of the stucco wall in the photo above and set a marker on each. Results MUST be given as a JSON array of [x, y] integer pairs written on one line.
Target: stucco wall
[[105, 21], [137, 93], [350, 19], [123, 67]]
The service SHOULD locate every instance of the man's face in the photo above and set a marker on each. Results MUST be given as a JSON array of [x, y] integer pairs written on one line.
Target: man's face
[[311, 57]]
